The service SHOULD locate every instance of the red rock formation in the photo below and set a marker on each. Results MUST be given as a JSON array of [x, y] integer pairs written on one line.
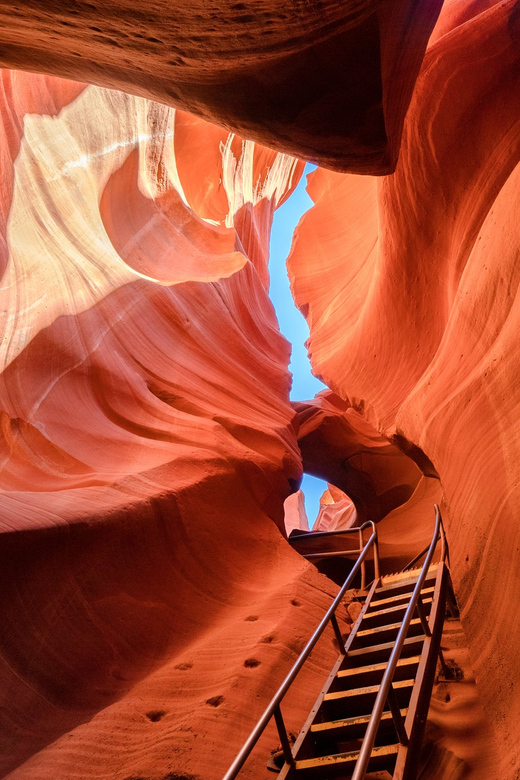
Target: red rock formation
[[338, 445], [337, 511], [147, 440], [327, 81], [295, 516], [457, 744], [138, 643], [420, 329]]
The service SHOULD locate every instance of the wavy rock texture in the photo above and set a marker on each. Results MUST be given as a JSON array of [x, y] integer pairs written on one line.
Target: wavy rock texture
[[295, 516], [372, 480], [457, 744], [337, 444], [147, 441], [328, 81], [146, 438], [337, 511], [425, 309], [173, 644]]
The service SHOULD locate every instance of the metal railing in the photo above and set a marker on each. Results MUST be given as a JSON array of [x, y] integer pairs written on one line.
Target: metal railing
[[273, 709], [312, 535], [416, 559], [386, 691]]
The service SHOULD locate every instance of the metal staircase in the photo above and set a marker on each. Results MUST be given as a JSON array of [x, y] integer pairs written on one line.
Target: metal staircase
[[368, 720]]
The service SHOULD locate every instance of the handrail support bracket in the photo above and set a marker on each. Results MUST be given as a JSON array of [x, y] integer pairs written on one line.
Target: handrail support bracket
[[282, 733], [422, 615], [337, 632], [396, 716]]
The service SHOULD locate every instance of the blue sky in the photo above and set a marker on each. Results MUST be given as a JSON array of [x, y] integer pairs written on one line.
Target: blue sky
[[292, 323]]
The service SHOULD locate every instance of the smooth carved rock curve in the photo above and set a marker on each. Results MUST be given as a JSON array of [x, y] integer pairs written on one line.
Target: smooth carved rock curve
[[328, 82], [420, 331], [146, 437]]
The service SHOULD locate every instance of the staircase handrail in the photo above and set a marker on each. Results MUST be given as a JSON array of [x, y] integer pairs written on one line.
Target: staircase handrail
[[359, 529], [385, 689], [416, 559], [273, 708], [316, 534]]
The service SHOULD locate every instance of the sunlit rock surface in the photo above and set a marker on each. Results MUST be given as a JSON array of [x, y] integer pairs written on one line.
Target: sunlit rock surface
[[420, 329], [295, 516], [337, 511], [147, 441], [328, 81], [105, 220], [149, 602], [338, 445]]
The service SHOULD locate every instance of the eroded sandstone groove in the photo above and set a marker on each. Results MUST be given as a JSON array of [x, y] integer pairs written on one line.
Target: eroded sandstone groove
[[147, 442]]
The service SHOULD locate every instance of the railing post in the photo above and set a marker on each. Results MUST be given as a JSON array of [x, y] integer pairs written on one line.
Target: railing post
[[282, 732], [339, 638], [376, 556], [443, 538], [396, 715], [422, 616], [363, 567]]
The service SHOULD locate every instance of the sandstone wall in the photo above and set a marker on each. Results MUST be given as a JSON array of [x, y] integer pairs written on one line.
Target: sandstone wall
[[146, 440], [328, 81], [420, 330]]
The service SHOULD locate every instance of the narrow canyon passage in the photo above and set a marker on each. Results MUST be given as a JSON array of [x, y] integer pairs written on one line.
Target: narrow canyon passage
[[151, 452]]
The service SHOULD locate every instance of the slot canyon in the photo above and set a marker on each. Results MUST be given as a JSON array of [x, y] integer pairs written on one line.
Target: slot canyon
[[151, 602]]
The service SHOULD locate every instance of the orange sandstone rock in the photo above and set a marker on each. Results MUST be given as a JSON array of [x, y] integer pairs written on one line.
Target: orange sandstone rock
[[146, 439], [295, 514], [339, 445], [328, 81], [146, 436], [420, 327], [337, 511]]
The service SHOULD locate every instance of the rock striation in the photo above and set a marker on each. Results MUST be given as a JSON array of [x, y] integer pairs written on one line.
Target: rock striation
[[337, 511], [295, 516], [339, 445], [420, 328], [147, 442], [329, 81], [146, 437]]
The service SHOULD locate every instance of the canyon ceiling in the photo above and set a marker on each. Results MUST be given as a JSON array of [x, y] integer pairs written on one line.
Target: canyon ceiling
[[150, 600]]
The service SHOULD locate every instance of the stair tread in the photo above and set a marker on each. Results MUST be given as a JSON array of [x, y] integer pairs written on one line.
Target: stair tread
[[384, 646], [392, 581], [355, 670], [387, 627], [399, 597], [346, 722], [391, 610], [345, 758], [363, 691]]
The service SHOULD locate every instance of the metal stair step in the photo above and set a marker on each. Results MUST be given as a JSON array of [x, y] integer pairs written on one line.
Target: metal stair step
[[345, 723], [393, 582], [391, 610], [399, 597], [364, 691], [386, 627], [380, 755], [383, 649], [355, 670], [389, 631]]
